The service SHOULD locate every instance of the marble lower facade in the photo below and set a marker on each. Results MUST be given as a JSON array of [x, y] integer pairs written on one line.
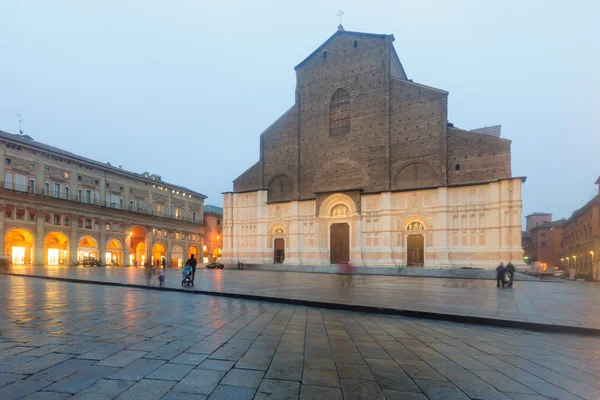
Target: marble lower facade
[[475, 226]]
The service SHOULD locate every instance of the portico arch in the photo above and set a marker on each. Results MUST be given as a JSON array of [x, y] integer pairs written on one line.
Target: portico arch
[[56, 249], [114, 252], [177, 256], [87, 247], [193, 250], [19, 246], [159, 252], [137, 245]]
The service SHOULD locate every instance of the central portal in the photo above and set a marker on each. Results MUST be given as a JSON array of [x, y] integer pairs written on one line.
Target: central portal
[[279, 253], [414, 247], [339, 239]]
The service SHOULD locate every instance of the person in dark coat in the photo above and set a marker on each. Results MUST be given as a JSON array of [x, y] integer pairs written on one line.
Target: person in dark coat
[[192, 263], [511, 271], [500, 271]]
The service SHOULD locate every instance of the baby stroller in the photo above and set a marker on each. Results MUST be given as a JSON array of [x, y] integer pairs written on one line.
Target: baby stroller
[[507, 281], [187, 276]]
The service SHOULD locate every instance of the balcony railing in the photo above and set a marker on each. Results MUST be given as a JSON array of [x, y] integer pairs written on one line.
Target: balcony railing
[[83, 199]]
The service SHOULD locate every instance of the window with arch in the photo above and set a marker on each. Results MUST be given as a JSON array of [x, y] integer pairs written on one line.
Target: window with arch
[[339, 113]]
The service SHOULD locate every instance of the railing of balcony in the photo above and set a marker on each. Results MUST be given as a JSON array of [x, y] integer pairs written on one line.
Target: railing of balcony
[[89, 199]]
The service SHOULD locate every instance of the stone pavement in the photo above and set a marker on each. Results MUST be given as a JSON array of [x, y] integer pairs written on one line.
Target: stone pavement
[[562, 304], [62, 340]]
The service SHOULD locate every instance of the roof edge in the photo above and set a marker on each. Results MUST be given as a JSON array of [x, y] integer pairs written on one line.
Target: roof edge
[[341, 32]]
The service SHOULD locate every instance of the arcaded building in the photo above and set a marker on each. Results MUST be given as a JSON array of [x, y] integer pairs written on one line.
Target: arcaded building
[[365, 167], [58, 208]]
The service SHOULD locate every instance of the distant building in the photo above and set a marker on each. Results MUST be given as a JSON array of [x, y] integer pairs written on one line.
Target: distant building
[[59, 208], [581, 251], [535, 219], [546, 245], [213, 236]]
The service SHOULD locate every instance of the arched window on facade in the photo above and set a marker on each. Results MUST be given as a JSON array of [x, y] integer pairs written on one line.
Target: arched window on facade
[[339, 113]]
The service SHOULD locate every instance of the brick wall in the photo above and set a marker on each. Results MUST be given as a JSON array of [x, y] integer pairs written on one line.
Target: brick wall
[[417, 133], [479, 157], [398, 136]]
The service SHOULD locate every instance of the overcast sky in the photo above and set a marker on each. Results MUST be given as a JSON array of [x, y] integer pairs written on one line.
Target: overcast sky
[[184, 88]]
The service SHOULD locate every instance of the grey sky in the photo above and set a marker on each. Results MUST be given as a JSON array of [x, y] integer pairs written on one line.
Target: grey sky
[[184, 88]]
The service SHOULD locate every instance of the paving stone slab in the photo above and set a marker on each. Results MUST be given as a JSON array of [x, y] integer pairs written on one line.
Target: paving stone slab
[[61, 370], [122, 358], [147, 389], [217, 365], [171, 372], [200, 381], [82, 379], [354, 389], [6, 378], [104, 389], [137, 370], [47, 396], [308, 392], [278, 390], [183, 396], [225, 392], [243, 377], [20, 389]]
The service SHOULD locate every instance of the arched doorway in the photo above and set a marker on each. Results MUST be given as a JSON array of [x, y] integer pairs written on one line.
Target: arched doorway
[[114, 253], [177, 256], [137, 246], [216, 254], [415, 244], [278, 245], [87, 248], [56, 249], [19, 246], [159, 253]]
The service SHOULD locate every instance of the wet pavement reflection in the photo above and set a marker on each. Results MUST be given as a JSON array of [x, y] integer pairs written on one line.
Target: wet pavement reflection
[[61, 339]]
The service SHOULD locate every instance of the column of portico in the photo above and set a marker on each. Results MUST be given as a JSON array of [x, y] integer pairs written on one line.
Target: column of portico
[[102, 244], [2, 232], [39, 238], [148, 244], [169, 248], [186, 244], [74, 242], [127, 246]]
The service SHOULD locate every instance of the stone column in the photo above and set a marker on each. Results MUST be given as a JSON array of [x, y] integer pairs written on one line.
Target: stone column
[[74, 241], [169, 254], [39, 238], [186, 244], [102, 244], [126, 247], [148, 244], [2, 232]]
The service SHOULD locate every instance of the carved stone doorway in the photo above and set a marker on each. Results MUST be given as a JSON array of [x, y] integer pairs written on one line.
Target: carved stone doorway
[[339, 236], [414, 250], [279, 251]]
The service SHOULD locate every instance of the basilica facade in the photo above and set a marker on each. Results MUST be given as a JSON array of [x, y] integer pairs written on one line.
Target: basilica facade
[[365, 167]]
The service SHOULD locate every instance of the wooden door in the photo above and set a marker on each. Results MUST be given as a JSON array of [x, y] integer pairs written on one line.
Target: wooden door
[[339, 236], [279, 253], [414, 250]]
